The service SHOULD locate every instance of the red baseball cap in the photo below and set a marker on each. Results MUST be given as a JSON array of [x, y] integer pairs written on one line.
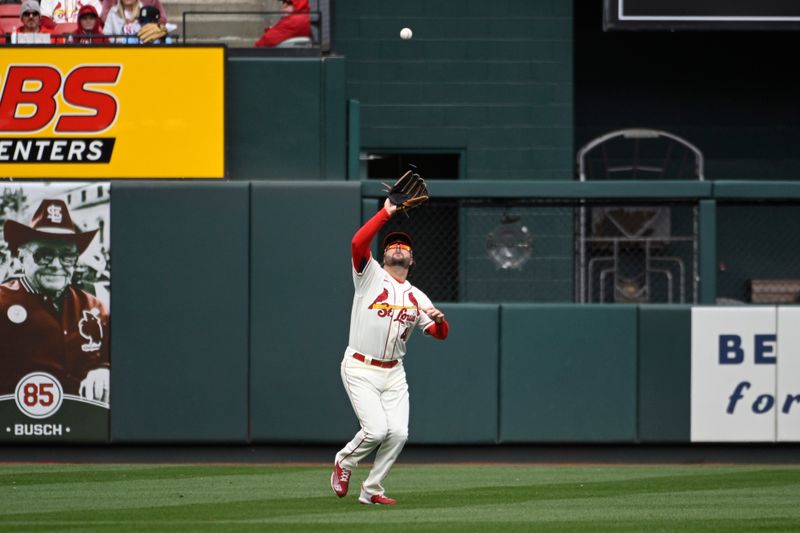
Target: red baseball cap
[[395, 237]]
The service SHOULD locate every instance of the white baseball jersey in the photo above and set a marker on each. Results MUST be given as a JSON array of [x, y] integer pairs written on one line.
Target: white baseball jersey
[[62, 11], [384, 313]]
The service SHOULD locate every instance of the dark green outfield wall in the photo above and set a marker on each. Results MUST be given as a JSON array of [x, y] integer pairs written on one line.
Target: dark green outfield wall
[[231, 306], [228, 329], [179, 327], [493, 79], [454, 384], [300, 309], [664, 348], [285, 118], [568, 373]]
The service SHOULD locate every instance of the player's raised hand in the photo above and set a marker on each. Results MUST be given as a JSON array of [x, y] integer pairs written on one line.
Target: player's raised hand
[[390, 207], [434, 313]]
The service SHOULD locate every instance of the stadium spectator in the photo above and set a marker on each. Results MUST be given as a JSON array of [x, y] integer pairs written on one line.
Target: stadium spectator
[[295, 23], [49, 325], [31, 30], [64, 11], [152, 31], [90, 27], [109, 4], [122, 22]]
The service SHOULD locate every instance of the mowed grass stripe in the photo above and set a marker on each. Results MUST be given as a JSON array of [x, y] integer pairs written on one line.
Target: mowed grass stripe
[[104, 473], [248, 498]]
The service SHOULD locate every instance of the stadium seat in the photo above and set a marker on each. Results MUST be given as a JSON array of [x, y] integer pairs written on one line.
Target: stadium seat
[[9, 17], [295, 42], [65, 27], [9, 10], [7, 25]]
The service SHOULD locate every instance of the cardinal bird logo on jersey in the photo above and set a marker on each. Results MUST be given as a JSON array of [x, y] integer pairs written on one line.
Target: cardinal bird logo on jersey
[[413, 300], [382, 297], [91, 329], [383, 309]]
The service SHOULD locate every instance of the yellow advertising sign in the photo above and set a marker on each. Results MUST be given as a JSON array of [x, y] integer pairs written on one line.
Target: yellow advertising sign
[[112, 112]]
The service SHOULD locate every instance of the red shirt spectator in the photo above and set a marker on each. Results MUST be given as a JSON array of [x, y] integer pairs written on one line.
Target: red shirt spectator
[[90, 27], [31, 15], [296, 23]]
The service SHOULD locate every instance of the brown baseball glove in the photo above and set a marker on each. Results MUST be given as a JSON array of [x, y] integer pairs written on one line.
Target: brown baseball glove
[[151, 32], [408, 191]]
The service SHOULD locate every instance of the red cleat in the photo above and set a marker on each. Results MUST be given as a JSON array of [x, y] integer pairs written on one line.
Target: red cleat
[[340, 480], [376, 499]]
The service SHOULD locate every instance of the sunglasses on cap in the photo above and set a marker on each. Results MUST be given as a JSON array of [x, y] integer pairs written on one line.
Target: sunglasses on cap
[[399, 245], [44, 256]]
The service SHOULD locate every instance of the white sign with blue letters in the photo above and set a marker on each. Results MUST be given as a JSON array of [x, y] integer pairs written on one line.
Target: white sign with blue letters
[[734, 367]]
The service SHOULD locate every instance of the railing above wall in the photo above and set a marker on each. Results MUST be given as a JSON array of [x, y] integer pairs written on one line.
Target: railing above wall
[[556, 189], [655, 189]]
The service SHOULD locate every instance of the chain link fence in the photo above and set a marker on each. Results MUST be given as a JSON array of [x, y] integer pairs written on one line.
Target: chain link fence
[[758, 252], [553, 251]]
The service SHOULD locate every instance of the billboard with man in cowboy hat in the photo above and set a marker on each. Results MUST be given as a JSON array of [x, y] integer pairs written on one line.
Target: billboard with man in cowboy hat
[[54, 354]]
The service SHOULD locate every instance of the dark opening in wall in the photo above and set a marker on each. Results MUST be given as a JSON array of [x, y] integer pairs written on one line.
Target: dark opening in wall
[[390, 166]]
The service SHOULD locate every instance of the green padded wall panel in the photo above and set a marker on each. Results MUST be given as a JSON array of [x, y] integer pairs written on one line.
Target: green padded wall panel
[[665, 356], [567, 373], [286, 118], [453, 383], [179, 349], [301, 295]]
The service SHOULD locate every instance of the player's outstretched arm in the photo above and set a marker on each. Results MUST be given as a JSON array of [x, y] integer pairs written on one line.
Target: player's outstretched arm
[[359, 246]]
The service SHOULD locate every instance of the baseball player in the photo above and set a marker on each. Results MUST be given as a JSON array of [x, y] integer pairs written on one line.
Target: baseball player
[[46, 324], [386, 308]]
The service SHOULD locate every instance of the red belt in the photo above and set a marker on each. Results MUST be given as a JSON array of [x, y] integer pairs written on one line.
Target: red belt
[[376, 362]]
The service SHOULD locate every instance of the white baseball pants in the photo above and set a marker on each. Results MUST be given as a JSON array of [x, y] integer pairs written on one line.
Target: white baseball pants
[[380, 400]]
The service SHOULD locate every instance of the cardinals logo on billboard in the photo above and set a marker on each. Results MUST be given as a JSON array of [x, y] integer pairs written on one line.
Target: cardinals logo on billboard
[[91, 329]]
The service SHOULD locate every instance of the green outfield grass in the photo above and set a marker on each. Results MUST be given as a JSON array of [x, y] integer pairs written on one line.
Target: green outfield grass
[[431, 498]]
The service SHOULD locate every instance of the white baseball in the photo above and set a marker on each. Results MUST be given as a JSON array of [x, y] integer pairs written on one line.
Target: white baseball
[[406, 34]]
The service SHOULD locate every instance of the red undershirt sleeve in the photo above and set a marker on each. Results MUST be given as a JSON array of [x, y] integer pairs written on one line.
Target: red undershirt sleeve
[[438, 331], [359, 246]]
